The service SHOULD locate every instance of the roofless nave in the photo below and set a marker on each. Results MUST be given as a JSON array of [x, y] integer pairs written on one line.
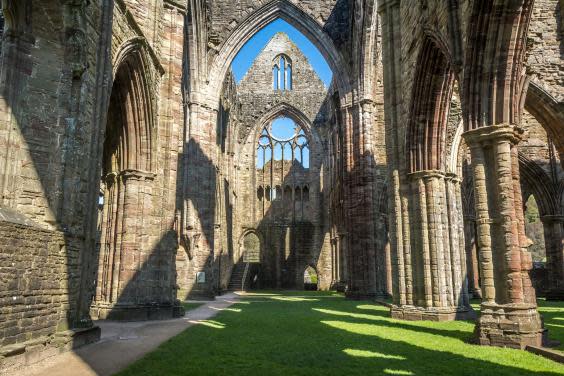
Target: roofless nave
[[136, 172]]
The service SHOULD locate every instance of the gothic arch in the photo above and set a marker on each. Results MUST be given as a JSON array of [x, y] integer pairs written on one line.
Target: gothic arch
[[538, 184], [133, 65], [432, 92], [549, 113], [287, 110], [263, 16]]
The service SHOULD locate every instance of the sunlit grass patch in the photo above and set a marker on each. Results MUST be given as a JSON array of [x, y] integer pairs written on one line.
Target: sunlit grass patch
[[299, 333]]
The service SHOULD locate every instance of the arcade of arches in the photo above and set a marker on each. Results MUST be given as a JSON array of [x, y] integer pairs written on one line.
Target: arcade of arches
[[136, 172]]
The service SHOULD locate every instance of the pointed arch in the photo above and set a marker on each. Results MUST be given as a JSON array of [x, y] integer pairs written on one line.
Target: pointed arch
[[262, 17], [549, 113], [432, 92]]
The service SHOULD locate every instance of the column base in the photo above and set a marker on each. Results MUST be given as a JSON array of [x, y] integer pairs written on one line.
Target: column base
[[413, 313], [555, 294], [138, 312], [509, 325]]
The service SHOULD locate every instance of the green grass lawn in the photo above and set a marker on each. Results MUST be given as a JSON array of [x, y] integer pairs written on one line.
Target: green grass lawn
[[299, 333], [188, 306]]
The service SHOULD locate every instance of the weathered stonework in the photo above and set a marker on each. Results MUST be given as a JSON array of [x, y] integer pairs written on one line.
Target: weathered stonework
[[127, 159]]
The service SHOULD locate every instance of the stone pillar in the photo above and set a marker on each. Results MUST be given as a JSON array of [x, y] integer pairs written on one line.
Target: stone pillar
[[437, 245], [554, 241], [127, 250], [359, 202], [509, 314]]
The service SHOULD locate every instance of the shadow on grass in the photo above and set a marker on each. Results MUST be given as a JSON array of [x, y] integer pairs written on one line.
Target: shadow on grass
[[330, 337], [553, 316]]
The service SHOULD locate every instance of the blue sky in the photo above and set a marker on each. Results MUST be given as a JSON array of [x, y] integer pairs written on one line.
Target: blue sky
[[254, 46]]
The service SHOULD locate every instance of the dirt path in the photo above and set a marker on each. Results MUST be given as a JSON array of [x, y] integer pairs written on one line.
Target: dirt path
[[122, 343]]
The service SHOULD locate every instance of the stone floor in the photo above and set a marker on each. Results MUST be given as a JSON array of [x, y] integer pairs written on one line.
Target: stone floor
[[123, 343]]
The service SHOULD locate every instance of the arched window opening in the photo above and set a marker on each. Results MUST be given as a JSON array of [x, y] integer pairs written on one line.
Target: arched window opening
[[310, 279], [287, 193], [305, 193], [278, 193], [283, 140], [275, 77], [298, 194], [267, 193], [535, 231], [251, 248], [282, 73], [260, 193]]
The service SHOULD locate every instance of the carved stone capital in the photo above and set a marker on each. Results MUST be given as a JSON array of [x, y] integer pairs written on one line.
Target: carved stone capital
[[132, 174], [426, 175], [493, 134]]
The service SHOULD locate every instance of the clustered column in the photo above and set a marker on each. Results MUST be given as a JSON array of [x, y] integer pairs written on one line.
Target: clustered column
[[509, 314], [437, 247], [123, 251]]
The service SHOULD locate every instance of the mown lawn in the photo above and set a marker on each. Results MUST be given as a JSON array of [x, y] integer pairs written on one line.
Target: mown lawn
[[324, 334], [188, 306]]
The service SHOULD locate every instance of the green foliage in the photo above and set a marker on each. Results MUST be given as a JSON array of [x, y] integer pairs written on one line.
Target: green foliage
[[276, 333]]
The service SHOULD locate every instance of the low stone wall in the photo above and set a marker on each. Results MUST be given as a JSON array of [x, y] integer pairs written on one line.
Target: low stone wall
[[38, 279]]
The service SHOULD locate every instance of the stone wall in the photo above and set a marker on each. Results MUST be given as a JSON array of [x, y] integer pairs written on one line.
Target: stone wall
[[40, 287]]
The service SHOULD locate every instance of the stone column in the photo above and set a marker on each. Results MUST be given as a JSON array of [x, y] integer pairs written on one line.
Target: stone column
[[509, 314], [554, 241], [399, 230], [437, 245]]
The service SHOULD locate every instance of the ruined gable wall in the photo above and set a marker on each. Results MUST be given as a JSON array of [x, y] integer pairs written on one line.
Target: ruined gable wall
[[301, 243]]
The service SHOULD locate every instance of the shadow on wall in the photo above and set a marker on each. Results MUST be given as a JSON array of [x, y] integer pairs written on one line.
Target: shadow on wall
[[45, 160]]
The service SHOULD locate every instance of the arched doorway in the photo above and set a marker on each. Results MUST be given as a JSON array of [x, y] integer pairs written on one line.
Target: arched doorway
[[125, 201], [310, 279]]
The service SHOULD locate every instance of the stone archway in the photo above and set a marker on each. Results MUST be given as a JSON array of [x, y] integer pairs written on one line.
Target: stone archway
[[127, 183]]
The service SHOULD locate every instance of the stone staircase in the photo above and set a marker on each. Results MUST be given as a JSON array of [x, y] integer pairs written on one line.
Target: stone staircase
[[237, 276]]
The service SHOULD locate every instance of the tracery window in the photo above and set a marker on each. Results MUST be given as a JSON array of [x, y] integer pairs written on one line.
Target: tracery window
[[283, 140], [282, 166], [282, 73]]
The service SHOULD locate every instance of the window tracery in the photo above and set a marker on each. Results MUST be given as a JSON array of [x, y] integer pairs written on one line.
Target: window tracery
[[282, 73]]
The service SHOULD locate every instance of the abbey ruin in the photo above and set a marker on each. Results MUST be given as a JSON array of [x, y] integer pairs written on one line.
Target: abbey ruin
[[136, 172]]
